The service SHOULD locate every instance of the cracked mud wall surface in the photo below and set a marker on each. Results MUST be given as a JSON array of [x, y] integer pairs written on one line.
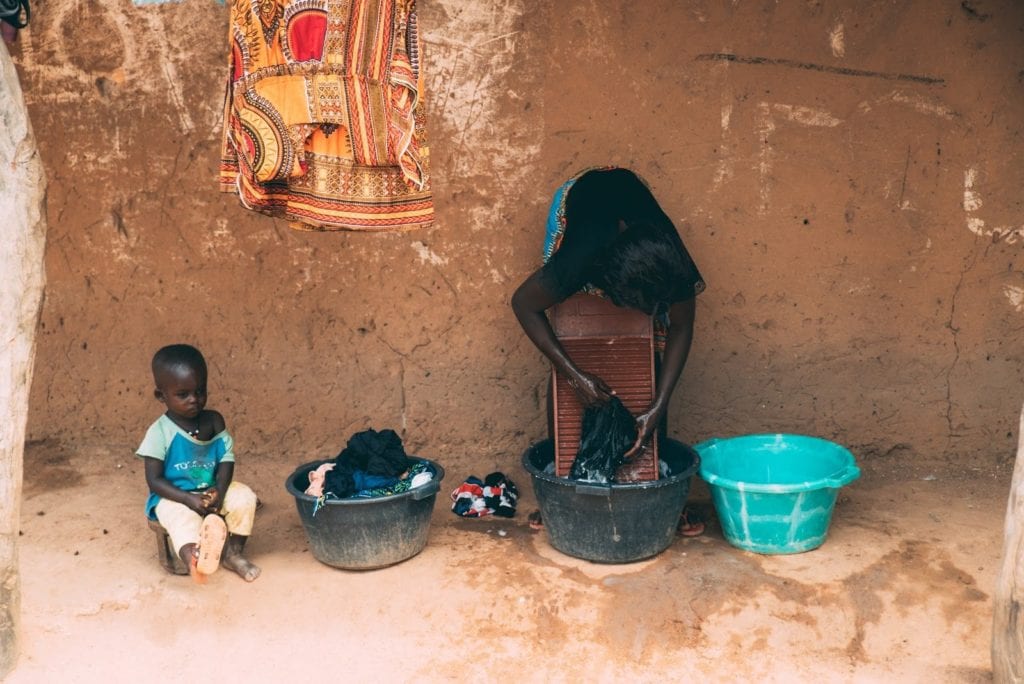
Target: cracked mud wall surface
[[846, 174]]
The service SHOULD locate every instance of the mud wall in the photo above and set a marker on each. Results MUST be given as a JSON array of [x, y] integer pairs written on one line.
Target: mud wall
[[847, 175]]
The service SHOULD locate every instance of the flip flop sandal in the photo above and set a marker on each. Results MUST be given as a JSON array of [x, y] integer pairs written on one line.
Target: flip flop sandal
[[196, 576], [212, 535], [690, 523], [535, 521]]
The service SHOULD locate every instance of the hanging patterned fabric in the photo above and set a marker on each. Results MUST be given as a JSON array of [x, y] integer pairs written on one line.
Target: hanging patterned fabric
[[323, 114]]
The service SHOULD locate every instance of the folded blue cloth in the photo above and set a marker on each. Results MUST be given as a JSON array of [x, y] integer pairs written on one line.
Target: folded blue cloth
[[394, 485], [364, 480]]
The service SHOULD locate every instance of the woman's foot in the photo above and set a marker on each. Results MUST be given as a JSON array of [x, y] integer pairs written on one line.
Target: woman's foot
[[241, 565], [535, 521], [690, 523]]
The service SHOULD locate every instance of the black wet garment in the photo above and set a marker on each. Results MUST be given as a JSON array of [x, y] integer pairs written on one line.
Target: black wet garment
[[609, 431], [374, 453]]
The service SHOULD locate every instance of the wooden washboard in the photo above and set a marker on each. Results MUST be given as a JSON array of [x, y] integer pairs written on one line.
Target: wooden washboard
[[617, 345]]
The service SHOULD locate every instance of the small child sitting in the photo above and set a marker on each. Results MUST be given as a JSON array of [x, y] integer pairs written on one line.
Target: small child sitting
[[190, 463]]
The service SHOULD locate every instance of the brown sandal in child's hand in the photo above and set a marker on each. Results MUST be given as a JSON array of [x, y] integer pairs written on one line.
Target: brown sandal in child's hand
[[212, 535]]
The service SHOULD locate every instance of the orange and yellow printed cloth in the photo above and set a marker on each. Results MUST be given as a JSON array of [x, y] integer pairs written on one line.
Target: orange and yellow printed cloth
[[323, 114]]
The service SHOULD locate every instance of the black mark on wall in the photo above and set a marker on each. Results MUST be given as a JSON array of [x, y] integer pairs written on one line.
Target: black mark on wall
[[791, 64]]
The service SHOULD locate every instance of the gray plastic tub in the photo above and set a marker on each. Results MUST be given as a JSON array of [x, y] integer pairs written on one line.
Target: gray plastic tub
[[363, 534], [617, 523]]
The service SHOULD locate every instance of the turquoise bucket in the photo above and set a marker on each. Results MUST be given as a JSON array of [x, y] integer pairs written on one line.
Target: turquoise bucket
[[775, 493]]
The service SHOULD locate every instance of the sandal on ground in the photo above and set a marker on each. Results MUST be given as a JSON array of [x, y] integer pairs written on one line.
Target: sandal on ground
[[690, 523], [535, 521], [212, 535]]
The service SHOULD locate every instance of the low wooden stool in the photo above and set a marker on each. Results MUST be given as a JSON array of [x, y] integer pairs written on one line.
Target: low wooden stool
[[168, 556]]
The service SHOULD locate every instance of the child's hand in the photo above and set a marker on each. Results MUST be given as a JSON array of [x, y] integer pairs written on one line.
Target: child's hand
[[196, 502], [211, 500]]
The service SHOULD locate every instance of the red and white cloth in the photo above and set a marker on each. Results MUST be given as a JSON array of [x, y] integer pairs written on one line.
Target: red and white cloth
[[494, 495]]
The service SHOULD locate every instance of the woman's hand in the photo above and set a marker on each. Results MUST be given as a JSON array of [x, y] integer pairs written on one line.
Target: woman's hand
[[677, 348], [590, 390], [646, 426]]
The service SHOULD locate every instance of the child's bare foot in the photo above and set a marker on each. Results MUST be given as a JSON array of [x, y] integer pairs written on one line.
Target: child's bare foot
[[240, 564], [235, 561]]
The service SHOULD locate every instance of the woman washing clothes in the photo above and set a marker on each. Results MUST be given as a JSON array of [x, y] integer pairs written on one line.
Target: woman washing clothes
[[607, 233]]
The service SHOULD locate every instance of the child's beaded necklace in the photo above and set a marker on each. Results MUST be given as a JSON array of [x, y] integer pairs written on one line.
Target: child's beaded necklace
[[194, 434]]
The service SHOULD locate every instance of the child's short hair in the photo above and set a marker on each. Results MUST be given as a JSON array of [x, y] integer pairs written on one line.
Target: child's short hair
[[176, 356]]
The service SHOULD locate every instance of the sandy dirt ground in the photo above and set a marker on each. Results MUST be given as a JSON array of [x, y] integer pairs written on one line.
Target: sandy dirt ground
[[901, 591]]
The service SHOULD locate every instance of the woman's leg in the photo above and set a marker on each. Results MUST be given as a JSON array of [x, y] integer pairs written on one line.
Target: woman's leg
[[690, 524]]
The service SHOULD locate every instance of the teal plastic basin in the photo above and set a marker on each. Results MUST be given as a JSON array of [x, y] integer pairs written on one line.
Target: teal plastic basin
[[775, 493]]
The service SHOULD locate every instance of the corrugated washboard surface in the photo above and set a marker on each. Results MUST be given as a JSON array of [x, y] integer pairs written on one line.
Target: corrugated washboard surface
[[617, 345]]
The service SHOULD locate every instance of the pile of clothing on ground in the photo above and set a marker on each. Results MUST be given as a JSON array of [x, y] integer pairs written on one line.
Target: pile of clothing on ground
[[494, 495], [372, 464]]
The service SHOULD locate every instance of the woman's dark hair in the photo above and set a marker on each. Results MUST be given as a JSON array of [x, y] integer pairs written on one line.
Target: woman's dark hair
[[645, 267]]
